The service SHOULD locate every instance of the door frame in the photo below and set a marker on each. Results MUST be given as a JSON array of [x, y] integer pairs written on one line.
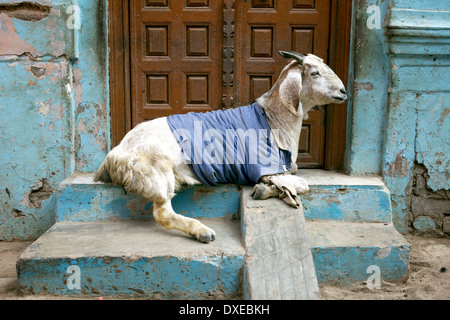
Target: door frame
[[120, 76], [119, 69]]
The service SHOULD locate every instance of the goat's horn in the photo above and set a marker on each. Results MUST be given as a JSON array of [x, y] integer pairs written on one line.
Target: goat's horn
[[292, 55]]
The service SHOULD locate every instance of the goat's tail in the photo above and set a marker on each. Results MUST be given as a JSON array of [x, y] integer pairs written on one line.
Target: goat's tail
[[116, 168], [136, 172], [102, 174]]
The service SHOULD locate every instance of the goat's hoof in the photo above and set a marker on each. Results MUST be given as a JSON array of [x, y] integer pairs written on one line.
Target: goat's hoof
[[207, 238], [206, 235], [259, 192]]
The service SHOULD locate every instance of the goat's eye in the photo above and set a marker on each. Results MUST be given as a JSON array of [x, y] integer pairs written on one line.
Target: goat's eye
[[315, 73]]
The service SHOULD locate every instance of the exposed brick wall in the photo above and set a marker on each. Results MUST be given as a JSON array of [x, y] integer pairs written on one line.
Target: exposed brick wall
[[430, 210]]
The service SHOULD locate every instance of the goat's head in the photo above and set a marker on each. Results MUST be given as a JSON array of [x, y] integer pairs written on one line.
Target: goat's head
[[307, 82]]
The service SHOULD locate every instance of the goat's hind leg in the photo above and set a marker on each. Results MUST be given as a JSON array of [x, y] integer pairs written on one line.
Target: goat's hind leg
[[152, 177], [165, 216]]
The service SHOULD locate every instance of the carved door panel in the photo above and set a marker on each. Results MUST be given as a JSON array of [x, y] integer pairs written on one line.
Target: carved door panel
[[263, 27], [176, 57]]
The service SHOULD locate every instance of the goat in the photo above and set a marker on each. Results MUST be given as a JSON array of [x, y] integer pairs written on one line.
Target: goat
[[151, 159]]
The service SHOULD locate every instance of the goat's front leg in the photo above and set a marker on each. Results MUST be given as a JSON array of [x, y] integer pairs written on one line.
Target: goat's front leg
[[167, 218], [273, 186], [263, 191]]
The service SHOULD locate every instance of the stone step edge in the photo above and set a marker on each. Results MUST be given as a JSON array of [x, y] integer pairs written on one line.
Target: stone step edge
[[350, 252], [332, 196], [82, 200], [114, 266]]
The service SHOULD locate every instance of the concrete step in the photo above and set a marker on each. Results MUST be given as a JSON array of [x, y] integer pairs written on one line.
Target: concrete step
[[344, 251], [332, 196], [140, 259], [336, 196], [134, 259], [80, 199]]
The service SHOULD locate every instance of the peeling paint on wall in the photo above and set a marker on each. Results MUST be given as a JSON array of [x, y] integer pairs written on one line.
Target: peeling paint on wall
[[368, 88], [40, 192], [36, 28], [91, 135], [417, 148], [53, 82], [399, 168], [430, 209], [10, 41], [26, 11], [432, 141], [35, 143]]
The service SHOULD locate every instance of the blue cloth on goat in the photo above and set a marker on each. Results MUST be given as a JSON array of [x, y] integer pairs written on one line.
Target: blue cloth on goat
[[229, 146]]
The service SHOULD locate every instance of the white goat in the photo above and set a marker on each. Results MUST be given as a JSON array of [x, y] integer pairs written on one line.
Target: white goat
[[150, 162]]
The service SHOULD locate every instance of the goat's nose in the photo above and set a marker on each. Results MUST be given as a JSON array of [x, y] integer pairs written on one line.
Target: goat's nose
[[343, 91]]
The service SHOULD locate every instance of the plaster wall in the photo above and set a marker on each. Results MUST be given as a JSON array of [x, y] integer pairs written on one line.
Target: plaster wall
[[399, 110], [416, 155], [54, 116]]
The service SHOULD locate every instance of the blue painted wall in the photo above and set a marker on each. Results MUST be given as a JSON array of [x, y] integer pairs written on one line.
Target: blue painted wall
[[418, 127], [54, 115], [399, 109], [368, 87]]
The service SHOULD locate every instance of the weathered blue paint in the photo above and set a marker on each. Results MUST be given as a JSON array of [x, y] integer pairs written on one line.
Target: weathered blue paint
[[92, 117], [92, 202], [433, 130], [347, 265], [368, 84], [399, 93], [50, 36], [348, 203], [158, 277], [424, 224], [54, 106], [35, 143], [205, 202], [133, 258], [417, 122]]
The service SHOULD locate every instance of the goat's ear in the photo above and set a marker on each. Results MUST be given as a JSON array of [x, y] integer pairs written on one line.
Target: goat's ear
[[289, 93], [293, 55]]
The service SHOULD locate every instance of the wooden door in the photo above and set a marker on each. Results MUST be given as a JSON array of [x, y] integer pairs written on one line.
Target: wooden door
[[267, 26], [176, 55]]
